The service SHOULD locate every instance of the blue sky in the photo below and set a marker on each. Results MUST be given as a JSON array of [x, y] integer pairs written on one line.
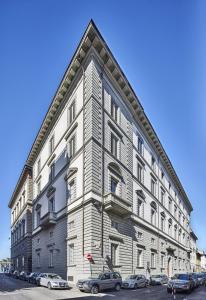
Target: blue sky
[[160, 45]]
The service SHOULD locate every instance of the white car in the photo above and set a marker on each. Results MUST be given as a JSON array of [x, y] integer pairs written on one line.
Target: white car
[[52, 281]]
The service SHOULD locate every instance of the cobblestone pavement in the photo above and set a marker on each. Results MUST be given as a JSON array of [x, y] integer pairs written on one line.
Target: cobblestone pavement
[[14, 289]]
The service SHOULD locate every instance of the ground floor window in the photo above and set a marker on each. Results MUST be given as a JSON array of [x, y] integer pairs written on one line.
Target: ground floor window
[[114, 254], [38, 260], [71, 254], [139, 258], [162, 261], [153, 260], [51, 258], [22, 262]]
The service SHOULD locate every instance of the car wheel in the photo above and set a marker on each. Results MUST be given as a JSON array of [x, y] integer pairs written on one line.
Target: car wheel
[[49, 286], [135, 286], [117, 287], [95, 289]]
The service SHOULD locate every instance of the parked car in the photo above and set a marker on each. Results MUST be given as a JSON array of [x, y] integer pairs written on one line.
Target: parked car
[[201, 278], [134, 282], [51, 281], [32, 277], [105, 281], [181, 282], [158, 279], [16, 274], [24, 275], [196, 280]]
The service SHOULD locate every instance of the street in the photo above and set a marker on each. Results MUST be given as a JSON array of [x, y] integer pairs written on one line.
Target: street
[[14, 289]]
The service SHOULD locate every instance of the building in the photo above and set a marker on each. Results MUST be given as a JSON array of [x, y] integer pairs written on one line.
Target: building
[[193, 254], [203, 261], [21, 222], [5, 264], [103, 186], [198, 260]]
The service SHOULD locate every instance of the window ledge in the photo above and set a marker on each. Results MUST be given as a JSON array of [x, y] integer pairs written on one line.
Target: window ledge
[[72, 265], [139, 267]]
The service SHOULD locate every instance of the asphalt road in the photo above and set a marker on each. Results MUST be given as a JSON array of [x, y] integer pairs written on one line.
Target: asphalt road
[[14, 289]]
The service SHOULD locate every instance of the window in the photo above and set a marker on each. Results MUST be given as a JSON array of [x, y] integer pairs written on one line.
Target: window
[[72, 190], [23, 198], [72, 147], [114, 225], [38, 217], [52, 171], [139, 258], [38, 187], [140, 208], [114, 145], [114, 184], [71, 113], [153, 216], [162, 175], [169, 186], [51, 256], [153, 186], [153, 163], [38, 166], [180, 217], [71, 254], [153, 262], [23, 227], [139, 172], [22, 261], [114, 110], [162, 195], [139, 235], [51, 205], [17, 262], [170, 205], [140, 145], [51, 145], [175, 211], [162, 245], [114, 254], [38, 260], [175, 232], [153, 241], [71, 225], [170, 227], [162, 223], [162, 261]]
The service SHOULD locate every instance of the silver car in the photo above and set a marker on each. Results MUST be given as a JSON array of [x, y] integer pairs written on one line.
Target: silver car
[[134, 282], [52, 281], [158, 279]]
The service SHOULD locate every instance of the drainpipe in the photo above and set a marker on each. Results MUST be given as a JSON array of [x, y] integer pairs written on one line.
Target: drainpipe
[[103, 185], [83, 184]]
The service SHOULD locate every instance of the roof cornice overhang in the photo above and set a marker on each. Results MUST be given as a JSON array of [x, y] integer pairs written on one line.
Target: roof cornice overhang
[[193, 235], [27, 170], [93, 38]]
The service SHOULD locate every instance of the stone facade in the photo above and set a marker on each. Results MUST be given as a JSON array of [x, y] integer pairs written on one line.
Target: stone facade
[[102, 182], [21, 223]]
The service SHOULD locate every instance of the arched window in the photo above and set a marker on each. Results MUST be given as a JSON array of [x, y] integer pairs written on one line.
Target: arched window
[[140, 203]]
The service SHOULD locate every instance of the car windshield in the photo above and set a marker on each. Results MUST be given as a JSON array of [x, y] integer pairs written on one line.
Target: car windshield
[[182, 276], [131, 277], [54, 276]]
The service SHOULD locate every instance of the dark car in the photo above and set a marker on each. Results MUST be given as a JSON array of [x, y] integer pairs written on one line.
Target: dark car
[[104, 281], [196, 280], [181, 282], [16, 274], [24, 275], [32, 277]]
